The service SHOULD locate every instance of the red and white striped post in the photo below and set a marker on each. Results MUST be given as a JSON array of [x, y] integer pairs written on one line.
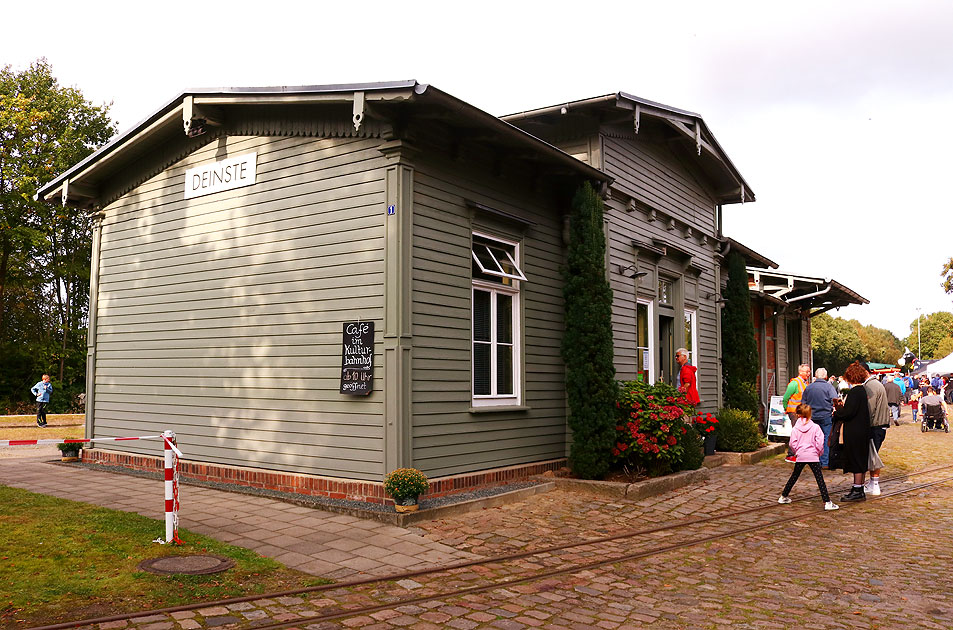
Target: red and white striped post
[[171, 490]]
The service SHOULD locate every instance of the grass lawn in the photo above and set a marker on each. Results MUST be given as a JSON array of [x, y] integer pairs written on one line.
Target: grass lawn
[[36, 433], [63, 560], [53, 419]]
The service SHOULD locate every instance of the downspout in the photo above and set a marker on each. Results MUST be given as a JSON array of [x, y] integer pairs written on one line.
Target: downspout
[[725, 251], [97, 218]]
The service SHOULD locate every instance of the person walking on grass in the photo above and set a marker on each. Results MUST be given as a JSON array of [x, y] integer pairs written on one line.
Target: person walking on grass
[[42, 392], [807, 442]]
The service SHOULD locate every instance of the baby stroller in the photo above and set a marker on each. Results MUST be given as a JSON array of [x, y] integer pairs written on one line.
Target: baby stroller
[[934, 419]]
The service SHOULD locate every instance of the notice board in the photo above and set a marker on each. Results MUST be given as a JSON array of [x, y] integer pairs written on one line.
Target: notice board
[[778, 422], [357, 358]]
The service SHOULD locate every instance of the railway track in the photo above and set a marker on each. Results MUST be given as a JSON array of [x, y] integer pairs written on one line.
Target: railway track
[[542, 563]]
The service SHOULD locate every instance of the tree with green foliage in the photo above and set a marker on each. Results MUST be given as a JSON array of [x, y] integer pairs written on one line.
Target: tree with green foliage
[[947, 274], [740, 360], [587, 343], [44, 248], [880, 345], [836, 343], [934, 328], [944, 348]]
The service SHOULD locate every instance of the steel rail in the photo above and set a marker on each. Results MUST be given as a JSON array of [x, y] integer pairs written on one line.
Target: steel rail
[[475, 562]]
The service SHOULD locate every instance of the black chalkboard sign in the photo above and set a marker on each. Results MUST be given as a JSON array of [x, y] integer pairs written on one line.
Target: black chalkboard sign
[[357, 358]]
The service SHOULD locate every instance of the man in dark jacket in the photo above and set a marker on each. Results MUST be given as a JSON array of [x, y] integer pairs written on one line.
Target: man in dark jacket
[[894, 399], [820, 396]]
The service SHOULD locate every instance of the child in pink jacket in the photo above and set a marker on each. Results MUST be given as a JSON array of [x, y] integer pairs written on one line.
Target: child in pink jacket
[[807, 443]]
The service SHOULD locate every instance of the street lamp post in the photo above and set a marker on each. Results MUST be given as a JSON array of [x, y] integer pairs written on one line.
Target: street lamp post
[[919, 355]]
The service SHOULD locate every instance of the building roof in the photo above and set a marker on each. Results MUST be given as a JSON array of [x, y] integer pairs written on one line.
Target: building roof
[[81, 181], [752, 258], [689, 132], [805, 292]]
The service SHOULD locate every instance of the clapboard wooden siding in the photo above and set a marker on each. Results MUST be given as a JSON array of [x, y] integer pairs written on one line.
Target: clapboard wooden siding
[[447, 437], [656, 179], [220, 317]]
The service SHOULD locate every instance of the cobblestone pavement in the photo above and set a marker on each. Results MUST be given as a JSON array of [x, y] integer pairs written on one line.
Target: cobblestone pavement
[[885, 563]]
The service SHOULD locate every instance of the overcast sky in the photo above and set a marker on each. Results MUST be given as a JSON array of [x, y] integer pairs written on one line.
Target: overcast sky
[[836, 113]]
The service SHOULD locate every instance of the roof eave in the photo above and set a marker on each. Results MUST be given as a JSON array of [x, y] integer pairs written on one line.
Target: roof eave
[[741, 194], [171, 114]]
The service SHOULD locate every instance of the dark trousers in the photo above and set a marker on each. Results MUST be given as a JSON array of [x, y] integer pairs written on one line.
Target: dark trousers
[[818, 476], [826, 425], [41, 412], [878, 434]]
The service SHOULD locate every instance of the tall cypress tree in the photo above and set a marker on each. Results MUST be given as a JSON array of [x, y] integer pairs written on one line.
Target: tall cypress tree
[[587, 342], [740, 362]]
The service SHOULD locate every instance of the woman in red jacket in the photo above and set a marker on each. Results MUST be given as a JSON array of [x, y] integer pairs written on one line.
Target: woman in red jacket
[[686, 377]]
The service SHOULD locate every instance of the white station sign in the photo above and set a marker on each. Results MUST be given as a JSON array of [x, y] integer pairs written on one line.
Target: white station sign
[[225, 175]]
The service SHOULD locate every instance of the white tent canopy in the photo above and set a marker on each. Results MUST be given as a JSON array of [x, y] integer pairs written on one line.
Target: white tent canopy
[[943, 366]]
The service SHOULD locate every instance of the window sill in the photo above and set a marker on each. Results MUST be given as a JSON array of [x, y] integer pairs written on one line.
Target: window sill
[[492, 409]]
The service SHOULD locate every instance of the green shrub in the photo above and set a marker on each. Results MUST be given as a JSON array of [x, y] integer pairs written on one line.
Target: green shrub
[[692, 454], [651, 429], [737, 431]]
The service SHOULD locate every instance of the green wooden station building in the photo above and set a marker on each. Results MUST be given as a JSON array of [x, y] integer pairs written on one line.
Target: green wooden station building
[[315, 285]]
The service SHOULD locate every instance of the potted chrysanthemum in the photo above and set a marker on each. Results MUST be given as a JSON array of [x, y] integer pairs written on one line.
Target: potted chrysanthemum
[[404, 485]]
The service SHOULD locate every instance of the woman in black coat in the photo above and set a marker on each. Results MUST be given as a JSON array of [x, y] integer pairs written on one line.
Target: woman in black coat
[[854, 416]]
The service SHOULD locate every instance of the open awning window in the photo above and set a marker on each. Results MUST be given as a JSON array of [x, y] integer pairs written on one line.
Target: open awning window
[[495, 259]]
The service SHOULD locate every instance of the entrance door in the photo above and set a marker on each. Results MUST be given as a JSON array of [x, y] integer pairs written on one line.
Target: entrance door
[[666, 349]]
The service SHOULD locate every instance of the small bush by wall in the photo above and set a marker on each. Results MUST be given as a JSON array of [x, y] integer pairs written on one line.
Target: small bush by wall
[[737, 431], [692, 455]]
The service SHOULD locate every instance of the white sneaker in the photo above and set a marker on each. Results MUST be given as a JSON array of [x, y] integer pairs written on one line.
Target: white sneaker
[[784, 499], [872, 489], [830, 505]]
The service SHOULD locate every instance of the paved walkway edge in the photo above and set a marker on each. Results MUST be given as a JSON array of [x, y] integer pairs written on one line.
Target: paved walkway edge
[[738, 459], [638, 490], [659, 485], [403, 520], [430, 514]]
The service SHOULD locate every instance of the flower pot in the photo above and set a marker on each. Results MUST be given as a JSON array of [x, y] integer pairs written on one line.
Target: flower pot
[[710, 444], [69, 458], [406, 508]]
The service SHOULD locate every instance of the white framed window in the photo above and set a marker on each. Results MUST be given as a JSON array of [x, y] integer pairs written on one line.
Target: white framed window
[[644, 341], [495, 322], [691, 337]]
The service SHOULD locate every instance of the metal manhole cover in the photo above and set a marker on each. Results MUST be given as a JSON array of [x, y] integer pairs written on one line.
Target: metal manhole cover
[[188, 565]]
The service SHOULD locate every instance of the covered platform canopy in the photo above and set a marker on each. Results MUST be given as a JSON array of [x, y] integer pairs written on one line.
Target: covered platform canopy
[[818, 295]]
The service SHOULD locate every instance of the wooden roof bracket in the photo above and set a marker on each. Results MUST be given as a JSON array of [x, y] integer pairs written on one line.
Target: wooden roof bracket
[[196, 117], [357, 110], [637, 118], [698, 137]]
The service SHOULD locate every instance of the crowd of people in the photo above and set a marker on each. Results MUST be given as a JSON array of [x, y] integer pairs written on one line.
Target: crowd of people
[[841, 422]]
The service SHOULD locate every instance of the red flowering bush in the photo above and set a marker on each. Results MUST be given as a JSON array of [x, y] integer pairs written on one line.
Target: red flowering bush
[[705, 424], [651, 428]]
